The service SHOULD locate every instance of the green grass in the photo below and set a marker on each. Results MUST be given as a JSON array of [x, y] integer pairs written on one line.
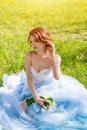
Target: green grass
[[65, 19]]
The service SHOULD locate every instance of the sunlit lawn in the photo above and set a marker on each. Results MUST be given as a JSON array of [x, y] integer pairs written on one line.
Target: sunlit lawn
[[65, 19]]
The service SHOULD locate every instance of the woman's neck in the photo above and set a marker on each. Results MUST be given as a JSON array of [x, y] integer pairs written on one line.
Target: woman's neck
[[41, 54]]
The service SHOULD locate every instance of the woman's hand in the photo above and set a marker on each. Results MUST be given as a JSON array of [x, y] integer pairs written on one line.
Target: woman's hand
[[50, 47], [24, 105], [52, 50], [40, 101]]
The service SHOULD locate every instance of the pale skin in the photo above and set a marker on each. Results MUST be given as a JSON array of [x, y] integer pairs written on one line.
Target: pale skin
[[50, 60]]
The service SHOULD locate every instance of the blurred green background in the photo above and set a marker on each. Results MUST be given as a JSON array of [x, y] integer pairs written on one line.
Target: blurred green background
[[65, 19]]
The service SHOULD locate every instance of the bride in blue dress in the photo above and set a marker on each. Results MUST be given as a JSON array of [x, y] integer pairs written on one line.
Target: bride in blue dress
[[43, 78]]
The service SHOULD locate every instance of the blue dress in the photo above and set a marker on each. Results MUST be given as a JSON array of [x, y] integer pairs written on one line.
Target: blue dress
[[69, 111]]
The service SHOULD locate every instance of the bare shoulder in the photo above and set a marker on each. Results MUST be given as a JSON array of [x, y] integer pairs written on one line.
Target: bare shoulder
[[28, 54], [28, 59]]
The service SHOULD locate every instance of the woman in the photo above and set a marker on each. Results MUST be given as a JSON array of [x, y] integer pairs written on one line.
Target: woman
[[44, 52], [43, 78]]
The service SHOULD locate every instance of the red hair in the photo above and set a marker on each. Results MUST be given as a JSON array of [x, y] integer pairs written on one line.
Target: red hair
[[43, 36]]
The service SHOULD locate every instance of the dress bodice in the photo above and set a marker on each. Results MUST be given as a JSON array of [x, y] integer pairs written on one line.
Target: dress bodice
[[42, 75]]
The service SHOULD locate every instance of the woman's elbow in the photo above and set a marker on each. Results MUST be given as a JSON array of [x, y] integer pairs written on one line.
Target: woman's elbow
[[57, 77]]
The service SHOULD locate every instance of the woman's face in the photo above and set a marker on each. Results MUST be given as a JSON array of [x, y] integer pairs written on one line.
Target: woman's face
[[37, 46]]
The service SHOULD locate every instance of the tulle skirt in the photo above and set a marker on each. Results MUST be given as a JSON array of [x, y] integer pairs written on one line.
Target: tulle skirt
[[69, 111]]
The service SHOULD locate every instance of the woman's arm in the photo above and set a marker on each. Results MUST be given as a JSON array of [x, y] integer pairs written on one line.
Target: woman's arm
[[30, 79], [29, 74], [56, 61]]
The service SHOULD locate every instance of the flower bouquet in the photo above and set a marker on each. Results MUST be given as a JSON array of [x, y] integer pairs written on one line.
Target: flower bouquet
[[48, 102]]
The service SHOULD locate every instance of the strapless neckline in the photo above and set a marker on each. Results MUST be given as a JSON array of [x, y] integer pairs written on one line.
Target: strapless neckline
[[41, 70], [43, 75]]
